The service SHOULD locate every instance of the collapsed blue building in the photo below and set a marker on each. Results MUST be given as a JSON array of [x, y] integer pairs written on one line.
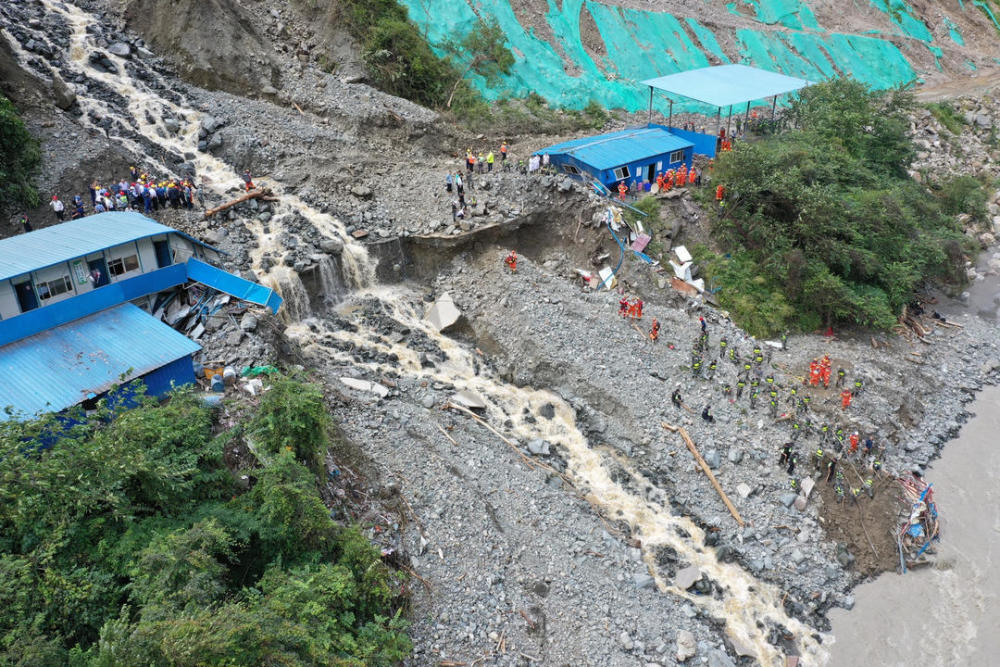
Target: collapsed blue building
[[81, 305]]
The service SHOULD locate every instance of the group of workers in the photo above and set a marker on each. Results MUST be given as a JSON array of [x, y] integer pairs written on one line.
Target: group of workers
[[143, 192], [484, 163], [632, 309]]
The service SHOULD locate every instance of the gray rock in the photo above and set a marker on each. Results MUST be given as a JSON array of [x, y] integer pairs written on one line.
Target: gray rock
[[538, 447], [428, 401], [848, 602], [248, 323], [362, 192], [797, 556], [331, 246], [565, 185], [735, 455], [210, 124], [787, 499], [120, 49], [173, 127], [234, 337], [687, 577], [62, 95], [744, 490], [642, 580], [215, 142], [712, 458], [717, 658], [625, 640], [687, 647]]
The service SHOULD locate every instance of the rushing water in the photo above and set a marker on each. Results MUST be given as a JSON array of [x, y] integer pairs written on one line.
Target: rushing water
[[749, 606], [949, 615]]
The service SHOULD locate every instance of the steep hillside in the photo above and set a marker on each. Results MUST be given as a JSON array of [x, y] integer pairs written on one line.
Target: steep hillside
[[575, 51]]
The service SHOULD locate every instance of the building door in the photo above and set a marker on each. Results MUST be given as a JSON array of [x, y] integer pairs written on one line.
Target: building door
[[162, 249], [99, 271], [26, 296], [652, 173]]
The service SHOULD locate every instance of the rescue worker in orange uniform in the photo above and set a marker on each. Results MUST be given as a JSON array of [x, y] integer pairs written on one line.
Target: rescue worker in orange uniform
[[720, 191], [692, 175], [682, 175], [623, 306], [668, 179], [814, 372], [845, 399], [824, 369], [638, 309], [659, 181], [854, 440], [654, 333], [622, 189], [511, 261]]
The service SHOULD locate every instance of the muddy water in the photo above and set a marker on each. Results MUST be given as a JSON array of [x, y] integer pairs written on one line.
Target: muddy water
[[750, 607], [949, 615]]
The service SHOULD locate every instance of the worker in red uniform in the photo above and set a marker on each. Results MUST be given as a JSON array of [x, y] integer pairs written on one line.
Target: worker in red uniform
[[845, 399], [654, 333], [682, 173], [668, 179], [814, 372], [638, 309], [622, 189], [623, 306], [825, 369], [511, 261], [692, 175], [659, 181], [720, 192], [854, 440]]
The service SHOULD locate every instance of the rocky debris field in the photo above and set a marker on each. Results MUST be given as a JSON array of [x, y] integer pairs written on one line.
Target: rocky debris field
[[518, 559]]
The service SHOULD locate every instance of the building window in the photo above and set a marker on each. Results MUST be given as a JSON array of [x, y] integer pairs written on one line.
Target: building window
[[570, 169], [52, 288], [621, 173], [676, 156], [117, 267]]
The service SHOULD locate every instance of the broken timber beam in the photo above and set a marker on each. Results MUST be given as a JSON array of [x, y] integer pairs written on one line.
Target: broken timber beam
[[253, 194], [706, 470]]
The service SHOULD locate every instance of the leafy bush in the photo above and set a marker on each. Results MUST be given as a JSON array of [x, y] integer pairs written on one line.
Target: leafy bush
[[19, 160], [292, 415], [126, 542], [826, 216], [963, 194], [946, 114]]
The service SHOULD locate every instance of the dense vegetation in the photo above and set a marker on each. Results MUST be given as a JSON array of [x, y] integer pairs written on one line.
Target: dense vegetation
[[822, 225], [128, 543], [19, 160]]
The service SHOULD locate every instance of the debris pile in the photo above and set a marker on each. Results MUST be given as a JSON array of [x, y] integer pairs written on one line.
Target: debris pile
[[920, 528]]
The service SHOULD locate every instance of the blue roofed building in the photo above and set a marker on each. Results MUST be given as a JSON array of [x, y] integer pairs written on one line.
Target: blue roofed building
[[635, 156], [81, 305]]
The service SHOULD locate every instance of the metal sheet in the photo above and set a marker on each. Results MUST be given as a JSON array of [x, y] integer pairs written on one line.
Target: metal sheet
[[725, 85], [58, 368], [60, 243], [606, 151]]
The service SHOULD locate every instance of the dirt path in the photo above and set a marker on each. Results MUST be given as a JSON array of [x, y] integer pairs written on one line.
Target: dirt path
[[959, 88]]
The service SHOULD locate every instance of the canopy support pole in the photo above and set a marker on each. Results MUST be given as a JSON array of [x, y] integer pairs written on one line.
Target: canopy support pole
[[774, 107], [650, 105], [746, 117], [729, 121], [670, 118]]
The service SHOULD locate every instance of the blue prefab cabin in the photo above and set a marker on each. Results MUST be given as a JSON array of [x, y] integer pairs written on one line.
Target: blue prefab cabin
[[635, 156]]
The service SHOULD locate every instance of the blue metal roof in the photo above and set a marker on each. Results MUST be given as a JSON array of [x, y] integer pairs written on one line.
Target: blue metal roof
[[58, 368], [606, 151], [723, 85], [69, 240]]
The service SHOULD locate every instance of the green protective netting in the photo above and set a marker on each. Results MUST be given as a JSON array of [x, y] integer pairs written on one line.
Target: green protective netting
[[985, 8], [901, 14], [953, 32], [643, 44]]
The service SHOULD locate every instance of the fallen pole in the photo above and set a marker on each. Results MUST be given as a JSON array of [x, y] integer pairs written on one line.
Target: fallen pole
[[706, 470], [253, 194]]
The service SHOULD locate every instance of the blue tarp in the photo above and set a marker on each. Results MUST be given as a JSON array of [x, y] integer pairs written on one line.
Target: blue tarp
[[726, 85]]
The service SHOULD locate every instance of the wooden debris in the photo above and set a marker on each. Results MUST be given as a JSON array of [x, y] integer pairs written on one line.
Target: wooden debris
[[706, 470], [253, 194]]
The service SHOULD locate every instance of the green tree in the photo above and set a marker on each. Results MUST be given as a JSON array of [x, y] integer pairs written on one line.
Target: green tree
[[826, 217], [19, 160], [482, 51]]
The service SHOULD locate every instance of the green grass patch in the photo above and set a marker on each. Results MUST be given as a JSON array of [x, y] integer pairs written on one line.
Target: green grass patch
[[946, 114]]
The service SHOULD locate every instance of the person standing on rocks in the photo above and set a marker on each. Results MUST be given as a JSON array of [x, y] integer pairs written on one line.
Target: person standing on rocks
[[654, 333], [675, 397], [58, 207], [511, 261], [447, 183], [248, 180], [459, 184], [481, 160], [786, 454], [841, 374], [503, 151], [489, 162], [845, 399]]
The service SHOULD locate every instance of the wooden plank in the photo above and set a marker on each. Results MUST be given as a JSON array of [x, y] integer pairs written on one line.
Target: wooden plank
[[706, 470], [253, 194]]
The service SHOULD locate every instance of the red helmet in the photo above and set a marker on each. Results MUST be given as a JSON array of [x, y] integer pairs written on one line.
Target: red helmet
[[55, 197]]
